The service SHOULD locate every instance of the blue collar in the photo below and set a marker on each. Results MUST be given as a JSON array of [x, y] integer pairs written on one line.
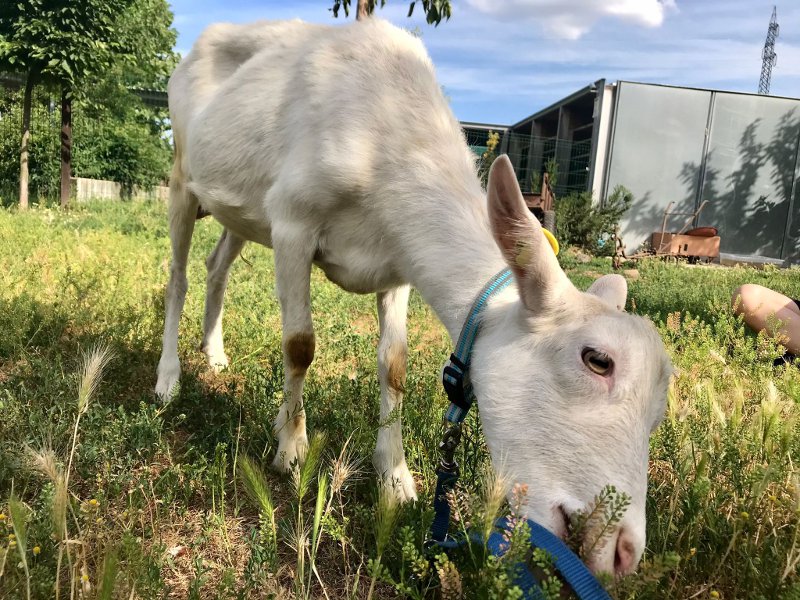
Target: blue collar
[[456, 373]]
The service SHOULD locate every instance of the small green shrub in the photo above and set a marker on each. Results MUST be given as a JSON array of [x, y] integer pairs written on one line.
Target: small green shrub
[[487, 158], [590, 226]]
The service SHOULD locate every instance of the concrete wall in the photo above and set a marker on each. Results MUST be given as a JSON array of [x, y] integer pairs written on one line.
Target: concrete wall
[[601, 147], [100, 189], [679, 147]]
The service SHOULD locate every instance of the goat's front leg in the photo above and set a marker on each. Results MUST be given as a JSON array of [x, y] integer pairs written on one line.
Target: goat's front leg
[[218, 264], [293, 259], [389, 458]]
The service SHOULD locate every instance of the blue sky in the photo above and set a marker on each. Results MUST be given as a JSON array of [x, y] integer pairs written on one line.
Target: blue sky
[[501, 60]]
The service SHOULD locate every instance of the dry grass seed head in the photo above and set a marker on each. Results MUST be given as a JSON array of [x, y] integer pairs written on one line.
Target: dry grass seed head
[[302, 476], [94, 363], [45, 462], [19, 523], [386, 515], [58, 510], [345, 467], [495, 489], [256, 486]]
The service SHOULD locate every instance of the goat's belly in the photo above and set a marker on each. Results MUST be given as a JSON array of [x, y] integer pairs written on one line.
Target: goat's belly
[[362, 276], [355, 252], [252, 229], [247, 220]]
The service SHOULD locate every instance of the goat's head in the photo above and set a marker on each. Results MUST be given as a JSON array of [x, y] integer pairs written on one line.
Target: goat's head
[[569, 385]]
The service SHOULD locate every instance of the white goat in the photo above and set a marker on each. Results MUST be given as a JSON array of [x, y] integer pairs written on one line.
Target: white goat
[[335, 147]]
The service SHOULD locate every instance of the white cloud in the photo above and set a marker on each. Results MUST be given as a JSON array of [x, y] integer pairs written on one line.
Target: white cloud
[[496, 67], [570, 19]]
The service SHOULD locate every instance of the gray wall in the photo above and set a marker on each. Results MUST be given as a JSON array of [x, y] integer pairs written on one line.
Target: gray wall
[[738, 151], [750, 170]]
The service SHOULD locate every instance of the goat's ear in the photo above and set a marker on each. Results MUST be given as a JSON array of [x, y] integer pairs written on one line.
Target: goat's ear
[[611, 289], [519, 236]]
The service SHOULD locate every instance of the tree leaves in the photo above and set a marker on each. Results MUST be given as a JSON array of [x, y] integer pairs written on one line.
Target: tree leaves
[[77, 47], [435, 10], [69, 46]]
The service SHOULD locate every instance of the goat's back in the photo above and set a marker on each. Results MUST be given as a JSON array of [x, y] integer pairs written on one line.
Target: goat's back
[[345, 100], [216, 55]]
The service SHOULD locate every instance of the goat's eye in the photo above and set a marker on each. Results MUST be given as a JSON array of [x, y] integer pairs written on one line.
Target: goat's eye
[[597, 362]]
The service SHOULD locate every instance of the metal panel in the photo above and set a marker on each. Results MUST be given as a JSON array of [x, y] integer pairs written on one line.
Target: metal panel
[[791, 247], [599, 132], [750, 171], [657, 153]]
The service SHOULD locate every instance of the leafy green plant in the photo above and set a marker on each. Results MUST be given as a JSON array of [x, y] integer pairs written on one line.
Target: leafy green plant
[[592, 527], [537, 177], [536, 182], [588, 226], [551, 168], [488, 157]]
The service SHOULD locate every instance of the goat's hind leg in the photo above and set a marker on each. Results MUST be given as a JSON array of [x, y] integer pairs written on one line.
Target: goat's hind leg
[[389, 458], [182, 214], [218, 264], [293, 258]]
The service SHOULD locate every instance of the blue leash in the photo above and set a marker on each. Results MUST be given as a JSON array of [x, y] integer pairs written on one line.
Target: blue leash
[[455, 379]]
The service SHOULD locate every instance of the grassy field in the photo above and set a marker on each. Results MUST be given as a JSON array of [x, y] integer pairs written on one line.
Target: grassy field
[[106, 493]]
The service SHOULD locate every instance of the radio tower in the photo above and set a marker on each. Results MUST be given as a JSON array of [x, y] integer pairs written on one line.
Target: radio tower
[[768, 55]]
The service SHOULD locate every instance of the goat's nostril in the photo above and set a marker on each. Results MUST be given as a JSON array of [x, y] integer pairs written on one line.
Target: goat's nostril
[[563, 527], [625, 555]]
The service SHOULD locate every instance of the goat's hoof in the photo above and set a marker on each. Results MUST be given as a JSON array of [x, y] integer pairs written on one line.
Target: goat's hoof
[[291, 454], [401, 482], [216, 358], [169, 373], [217, 362]]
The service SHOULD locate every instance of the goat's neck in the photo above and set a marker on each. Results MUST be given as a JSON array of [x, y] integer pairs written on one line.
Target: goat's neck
[[454, 256]]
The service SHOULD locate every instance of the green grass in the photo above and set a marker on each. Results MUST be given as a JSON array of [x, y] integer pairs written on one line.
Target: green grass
[[174, 518]]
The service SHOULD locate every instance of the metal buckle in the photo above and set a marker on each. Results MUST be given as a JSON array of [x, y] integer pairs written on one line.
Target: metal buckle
[[453, 382], [447, 448]]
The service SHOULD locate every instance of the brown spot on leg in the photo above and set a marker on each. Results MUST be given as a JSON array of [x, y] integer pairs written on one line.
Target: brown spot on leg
[[299, 421], [396, 368], [299, 351]]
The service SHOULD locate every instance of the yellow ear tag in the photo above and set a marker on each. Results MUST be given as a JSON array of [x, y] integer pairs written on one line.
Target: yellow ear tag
[[552, 239], [524, 254]]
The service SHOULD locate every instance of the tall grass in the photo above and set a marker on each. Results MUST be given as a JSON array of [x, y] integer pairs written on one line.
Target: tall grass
[[119, 496], [19, 517], [70, 539]]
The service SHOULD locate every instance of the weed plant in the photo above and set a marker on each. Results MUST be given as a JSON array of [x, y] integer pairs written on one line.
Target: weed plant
[[105, 493]]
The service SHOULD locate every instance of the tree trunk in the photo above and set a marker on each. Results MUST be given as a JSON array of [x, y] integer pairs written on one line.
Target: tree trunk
[[362, 12], [66, 146], [26, 138]]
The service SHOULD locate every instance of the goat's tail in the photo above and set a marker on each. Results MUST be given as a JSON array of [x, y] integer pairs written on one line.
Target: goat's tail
[[178, 175]]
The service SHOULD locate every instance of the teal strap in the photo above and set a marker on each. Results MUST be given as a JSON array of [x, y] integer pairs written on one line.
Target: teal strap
[[456, 373]]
